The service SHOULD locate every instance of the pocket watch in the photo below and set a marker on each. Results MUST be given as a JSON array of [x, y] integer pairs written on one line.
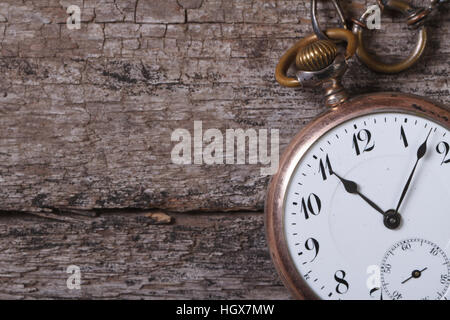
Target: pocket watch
[[359, 207]]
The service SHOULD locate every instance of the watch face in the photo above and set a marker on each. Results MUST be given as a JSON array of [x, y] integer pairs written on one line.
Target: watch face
[[366, 212]]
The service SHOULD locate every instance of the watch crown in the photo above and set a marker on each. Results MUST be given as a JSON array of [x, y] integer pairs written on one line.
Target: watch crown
[[316, 56]]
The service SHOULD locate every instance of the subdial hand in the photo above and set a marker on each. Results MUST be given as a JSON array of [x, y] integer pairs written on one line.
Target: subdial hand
[[420, 154], [415, 274]]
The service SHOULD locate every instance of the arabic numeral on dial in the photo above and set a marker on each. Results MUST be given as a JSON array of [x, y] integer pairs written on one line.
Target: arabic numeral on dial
[[406, 246], [443, 148], [374, 292], [325, 168], [386, 268], [396, 295], [311, 206], [343, 285], [434, 251], [444, 278], [363, 136], [403, 137], [312, 244]]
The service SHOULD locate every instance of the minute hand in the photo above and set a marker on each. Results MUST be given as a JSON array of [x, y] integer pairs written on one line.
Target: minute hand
[[420, 154]]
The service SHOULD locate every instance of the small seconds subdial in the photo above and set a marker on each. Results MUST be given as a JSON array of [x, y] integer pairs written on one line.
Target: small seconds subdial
[[415, 269]]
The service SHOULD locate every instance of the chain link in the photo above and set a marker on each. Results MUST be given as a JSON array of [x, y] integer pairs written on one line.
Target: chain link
[[315, 23], [416, 18]]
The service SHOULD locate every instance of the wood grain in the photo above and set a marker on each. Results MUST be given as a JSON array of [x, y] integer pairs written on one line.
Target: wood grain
[[131, 256], [87, 115], [86, 118]]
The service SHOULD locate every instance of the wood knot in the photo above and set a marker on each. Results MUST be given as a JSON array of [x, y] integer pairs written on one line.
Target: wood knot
[[316, 56]]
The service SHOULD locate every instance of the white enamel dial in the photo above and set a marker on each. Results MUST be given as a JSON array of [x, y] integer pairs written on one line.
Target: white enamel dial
[[344, 189]]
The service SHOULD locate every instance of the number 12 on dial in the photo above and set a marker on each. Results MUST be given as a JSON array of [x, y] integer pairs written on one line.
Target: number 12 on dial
[[364, 188]]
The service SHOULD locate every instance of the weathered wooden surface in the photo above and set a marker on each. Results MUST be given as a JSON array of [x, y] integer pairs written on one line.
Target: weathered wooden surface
[[86, 118], [86, 115], [126, 256]]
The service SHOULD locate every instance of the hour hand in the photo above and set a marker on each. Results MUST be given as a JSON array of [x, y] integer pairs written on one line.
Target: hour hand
[[352, 188], [391, 219]]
